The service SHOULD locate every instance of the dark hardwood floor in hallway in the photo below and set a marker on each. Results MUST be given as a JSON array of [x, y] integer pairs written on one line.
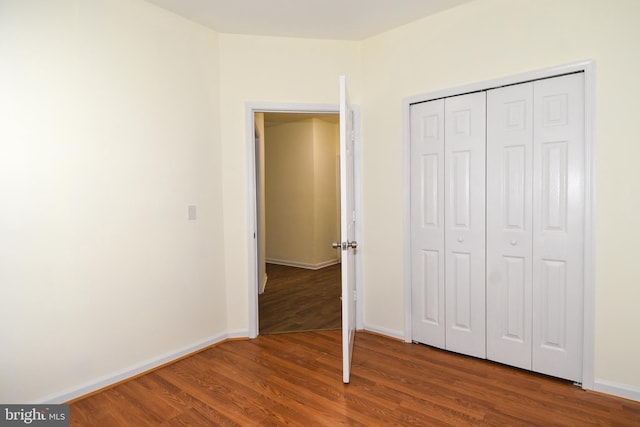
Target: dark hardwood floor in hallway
[[298, 299], [295, 379]]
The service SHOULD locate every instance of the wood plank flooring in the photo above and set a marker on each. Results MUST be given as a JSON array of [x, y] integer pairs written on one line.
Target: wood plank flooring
[[298, 299], [295, 379]]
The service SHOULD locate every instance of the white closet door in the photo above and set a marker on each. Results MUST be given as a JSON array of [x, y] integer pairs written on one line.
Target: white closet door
[[427, 222], [465, 124], [558, 227], [509, 224]]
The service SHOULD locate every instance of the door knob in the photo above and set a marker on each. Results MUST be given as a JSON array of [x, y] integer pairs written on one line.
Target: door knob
[[344, 246]]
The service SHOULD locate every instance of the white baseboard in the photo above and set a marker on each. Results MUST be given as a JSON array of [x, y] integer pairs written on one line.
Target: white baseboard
[[384, 331], [317, 266], [238, 333], [110, 379], [616, 389]]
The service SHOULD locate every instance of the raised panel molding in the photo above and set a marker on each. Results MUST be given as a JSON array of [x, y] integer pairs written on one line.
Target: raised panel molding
[[460, 187], [430, 205], [462, 123], [555, 110], [462, 290], [430, 128], [431, 310], [515, 115], [514, 186], [554, 304], [515, 298], [554, 186]]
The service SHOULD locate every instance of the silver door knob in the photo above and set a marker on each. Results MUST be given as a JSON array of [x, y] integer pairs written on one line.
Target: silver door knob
[[344, 246]]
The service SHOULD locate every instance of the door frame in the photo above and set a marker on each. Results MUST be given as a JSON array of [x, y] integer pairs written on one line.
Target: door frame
[[252, 209], [588, 67]]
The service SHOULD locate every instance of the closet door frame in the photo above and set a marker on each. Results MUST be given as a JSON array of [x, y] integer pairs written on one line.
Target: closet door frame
[[588, 68]]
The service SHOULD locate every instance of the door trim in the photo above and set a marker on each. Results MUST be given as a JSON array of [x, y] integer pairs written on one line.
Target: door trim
[[252, 218], [588, 67]]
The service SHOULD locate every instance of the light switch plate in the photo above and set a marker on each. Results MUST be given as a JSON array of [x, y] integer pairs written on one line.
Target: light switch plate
[[192, 212]]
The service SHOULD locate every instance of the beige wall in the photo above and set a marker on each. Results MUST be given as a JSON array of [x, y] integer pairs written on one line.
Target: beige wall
[[487, 39], [290, 181], [326, 135], [301, 201], [109, 129]]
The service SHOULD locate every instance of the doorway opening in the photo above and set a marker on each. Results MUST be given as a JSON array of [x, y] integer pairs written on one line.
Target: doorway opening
[[298, 218]]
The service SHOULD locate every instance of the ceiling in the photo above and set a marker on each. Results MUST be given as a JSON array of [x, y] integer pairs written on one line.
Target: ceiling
[[321, 19]]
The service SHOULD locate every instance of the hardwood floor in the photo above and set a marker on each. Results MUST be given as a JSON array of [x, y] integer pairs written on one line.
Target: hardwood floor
[[298, 299], [295, 379]]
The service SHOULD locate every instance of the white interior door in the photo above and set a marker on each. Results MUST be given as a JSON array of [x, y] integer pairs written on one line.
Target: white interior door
[[427, 223], [509, 224], [558, 226], [348, 244], [465, 151]]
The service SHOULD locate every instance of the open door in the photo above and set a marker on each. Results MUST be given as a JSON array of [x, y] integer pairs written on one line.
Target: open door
[[347, 230]]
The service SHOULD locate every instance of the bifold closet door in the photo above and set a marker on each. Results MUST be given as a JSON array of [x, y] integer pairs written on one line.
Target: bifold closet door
[[509, 224], [527, 310], [427, 222], [535, 225], [464, 234], [448, 223], [558, 226]]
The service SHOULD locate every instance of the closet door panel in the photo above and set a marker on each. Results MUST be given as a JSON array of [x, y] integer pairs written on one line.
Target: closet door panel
[[464, 176], [427, 222], [509, 224], [558, 226]]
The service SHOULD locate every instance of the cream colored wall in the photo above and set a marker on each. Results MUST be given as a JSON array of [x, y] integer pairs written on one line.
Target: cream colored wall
[[108, 131], [301, 192], [267, 69], [290, 180], [326, 138], [486, 39]]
